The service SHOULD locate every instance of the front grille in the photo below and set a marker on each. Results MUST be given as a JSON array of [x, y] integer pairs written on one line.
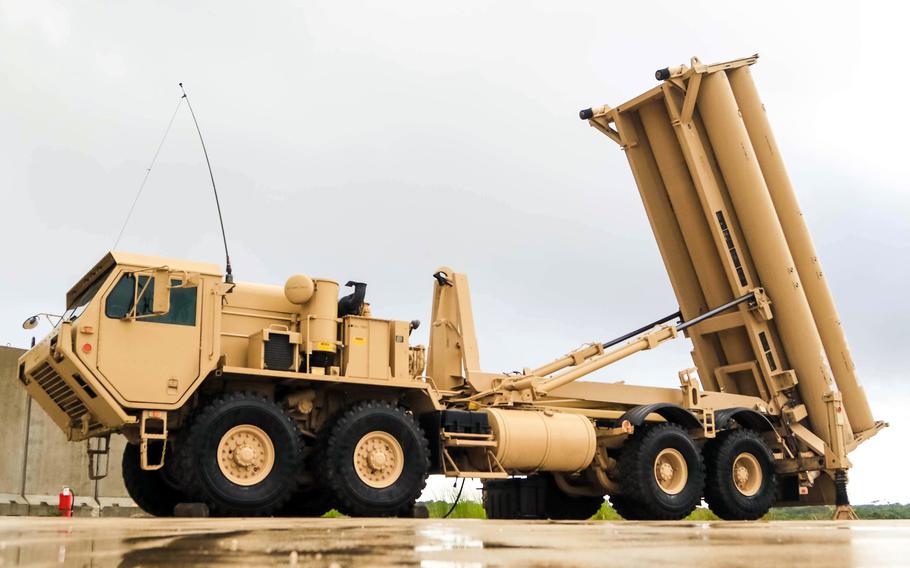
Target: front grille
[[61, 393]]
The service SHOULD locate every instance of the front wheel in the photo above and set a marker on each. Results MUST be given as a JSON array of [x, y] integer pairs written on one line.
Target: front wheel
[[376, 460], [149, 489], [741, 483], [242, 455]]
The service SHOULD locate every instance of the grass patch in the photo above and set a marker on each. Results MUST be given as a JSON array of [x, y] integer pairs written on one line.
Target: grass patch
[[606, 513], [468, 509], [463, 510]]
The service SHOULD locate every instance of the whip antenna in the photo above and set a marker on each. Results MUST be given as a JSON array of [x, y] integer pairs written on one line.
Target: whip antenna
[[148, 171], [228, 275]]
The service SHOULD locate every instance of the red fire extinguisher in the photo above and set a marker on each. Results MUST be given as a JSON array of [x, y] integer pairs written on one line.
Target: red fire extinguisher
[[65, 502]]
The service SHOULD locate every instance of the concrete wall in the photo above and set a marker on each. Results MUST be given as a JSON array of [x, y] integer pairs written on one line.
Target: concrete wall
[[14, 425], [39, 461]]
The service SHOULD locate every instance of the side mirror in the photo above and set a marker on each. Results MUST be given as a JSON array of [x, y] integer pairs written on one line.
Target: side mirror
[[161, 291], [184, 279], [30, 323]]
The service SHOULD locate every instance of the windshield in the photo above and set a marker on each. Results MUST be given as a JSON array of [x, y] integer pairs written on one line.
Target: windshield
[[75, 309]]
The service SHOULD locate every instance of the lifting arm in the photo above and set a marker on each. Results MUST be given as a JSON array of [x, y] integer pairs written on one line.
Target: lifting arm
[[593, 357]]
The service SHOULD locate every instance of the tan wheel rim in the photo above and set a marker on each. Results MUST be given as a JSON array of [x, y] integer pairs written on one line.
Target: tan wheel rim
[[671, 471], [747, 474], [246, 455], [378, 459]]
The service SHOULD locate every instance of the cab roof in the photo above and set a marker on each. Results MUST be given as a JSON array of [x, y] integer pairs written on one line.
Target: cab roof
[[114, 258]]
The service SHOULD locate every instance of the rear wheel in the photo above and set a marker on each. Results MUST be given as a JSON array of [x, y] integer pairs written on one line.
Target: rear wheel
[[376, 460], [741, 483], [661, 472], [149, 489], [242, 455], [626, 508]]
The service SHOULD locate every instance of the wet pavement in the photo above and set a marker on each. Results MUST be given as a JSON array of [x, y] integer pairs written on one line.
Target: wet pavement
[[437, 543]]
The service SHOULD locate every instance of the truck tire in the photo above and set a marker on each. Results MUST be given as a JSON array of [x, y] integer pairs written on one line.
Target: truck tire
[[376, 460], [661, 472], [626, 508], [242, 455], [500, 499], [741, 484], [564, 507], [536, 497], [151, 492]]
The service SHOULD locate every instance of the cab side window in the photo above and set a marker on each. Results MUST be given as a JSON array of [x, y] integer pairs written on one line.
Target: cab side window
[[119, 302]]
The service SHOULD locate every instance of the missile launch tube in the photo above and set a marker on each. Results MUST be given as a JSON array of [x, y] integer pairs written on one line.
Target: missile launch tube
[[770, 252], [669, 238], [799, 240], [690, 215]]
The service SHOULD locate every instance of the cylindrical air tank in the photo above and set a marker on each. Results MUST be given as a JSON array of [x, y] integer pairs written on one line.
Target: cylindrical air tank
[[530, 440], [768, 245], [799, 240]]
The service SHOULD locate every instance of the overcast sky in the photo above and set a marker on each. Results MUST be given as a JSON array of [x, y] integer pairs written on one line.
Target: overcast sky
[[377, 141]]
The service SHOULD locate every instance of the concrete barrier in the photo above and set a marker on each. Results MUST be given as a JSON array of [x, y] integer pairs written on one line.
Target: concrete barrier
[[13, 433], [39, 461]]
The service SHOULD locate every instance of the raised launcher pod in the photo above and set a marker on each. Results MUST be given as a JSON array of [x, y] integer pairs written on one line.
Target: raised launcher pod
[[318, 301], [727, 223]]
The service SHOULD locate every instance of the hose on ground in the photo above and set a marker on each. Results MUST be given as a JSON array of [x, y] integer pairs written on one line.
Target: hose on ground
[[457, 498]]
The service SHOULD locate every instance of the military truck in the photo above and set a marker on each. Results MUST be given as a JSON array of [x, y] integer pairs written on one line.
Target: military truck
[[263, 399]]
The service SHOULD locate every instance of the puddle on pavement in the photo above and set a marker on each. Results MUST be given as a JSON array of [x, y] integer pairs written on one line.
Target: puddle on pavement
[[337, 543]]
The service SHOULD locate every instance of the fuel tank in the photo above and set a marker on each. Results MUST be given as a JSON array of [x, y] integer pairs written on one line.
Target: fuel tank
[[531, 440]]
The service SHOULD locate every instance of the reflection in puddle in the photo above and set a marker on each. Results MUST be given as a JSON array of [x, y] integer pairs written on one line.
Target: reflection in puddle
[[443, 539], [326, 543]]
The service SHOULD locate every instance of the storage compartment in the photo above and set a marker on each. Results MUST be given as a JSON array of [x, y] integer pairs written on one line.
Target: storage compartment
[[367, 348], [275, 350], [399, 353]]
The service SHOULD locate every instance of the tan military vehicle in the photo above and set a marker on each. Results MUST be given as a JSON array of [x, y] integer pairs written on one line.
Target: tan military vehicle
[[266, 399]]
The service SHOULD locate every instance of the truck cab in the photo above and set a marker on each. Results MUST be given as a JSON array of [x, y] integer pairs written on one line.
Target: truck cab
[[130, 338]]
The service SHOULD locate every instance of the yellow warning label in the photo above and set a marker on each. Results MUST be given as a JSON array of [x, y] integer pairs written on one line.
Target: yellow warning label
[[359, 340], [324, 346]]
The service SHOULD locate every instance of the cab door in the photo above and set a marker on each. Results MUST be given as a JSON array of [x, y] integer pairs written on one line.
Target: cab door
[[149, 359]]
